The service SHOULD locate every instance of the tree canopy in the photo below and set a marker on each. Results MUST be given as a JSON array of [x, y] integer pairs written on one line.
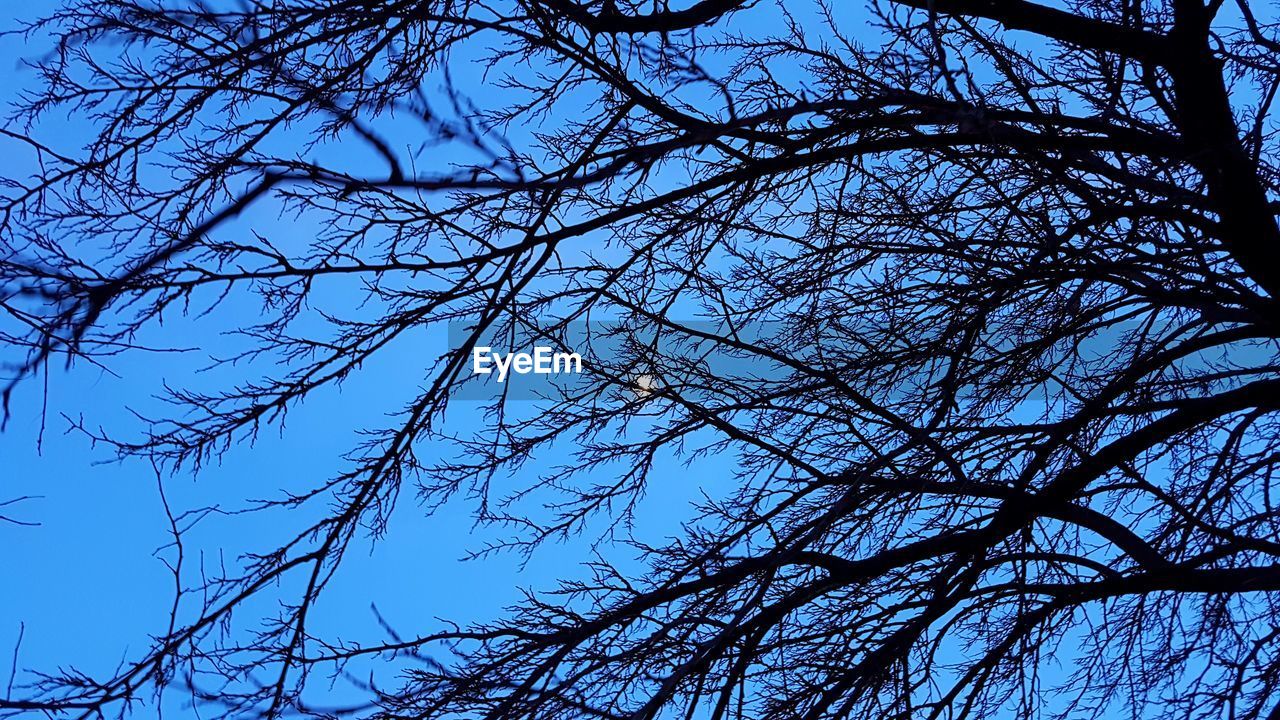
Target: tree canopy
[[1000, 278]]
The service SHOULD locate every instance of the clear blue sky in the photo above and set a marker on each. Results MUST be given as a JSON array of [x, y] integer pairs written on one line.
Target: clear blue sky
[[85, 586]]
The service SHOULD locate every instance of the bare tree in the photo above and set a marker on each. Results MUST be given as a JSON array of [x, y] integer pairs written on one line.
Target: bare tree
[[1009, 271]]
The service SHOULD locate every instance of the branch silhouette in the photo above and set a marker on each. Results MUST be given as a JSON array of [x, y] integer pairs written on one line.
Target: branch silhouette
[[1001, 277]]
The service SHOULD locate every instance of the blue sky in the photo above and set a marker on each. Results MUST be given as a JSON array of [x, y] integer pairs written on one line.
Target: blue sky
[[87, 585]]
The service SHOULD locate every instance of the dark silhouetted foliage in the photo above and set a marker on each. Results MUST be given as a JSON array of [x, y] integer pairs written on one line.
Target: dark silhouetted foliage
[[1007, 271]]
